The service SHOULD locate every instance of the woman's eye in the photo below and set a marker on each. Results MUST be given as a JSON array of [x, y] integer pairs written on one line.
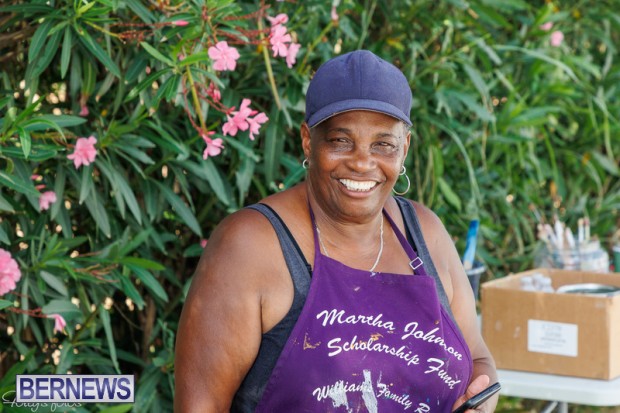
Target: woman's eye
[[385, 146]]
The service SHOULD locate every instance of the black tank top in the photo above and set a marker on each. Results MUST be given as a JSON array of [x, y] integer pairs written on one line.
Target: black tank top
[[251, 390]]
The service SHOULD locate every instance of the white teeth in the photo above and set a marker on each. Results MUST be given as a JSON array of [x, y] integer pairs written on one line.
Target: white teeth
[[358, 185]]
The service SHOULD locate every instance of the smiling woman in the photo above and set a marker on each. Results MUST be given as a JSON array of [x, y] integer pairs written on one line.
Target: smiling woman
[[338, 243]]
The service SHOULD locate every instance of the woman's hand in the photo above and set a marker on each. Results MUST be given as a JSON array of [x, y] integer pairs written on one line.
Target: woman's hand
[[476, 386]]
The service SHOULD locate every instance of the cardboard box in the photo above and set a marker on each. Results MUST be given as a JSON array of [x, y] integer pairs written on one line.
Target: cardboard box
[[554, 333]]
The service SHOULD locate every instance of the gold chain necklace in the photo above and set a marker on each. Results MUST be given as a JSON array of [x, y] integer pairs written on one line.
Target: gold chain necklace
[[372, 270]]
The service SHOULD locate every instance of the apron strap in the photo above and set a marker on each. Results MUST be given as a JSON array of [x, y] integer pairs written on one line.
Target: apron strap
[[416, 263], [414, 233]]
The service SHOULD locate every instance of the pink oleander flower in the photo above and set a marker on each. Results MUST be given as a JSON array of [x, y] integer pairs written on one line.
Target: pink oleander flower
[[9, 272], [36, 177], [180, 23], [224, 56], [84, 152], [214, 146], [59, 322], [291, 54], [239, 120], [46, 199], [546, 26], [281, 18], [279, 40], [255, 123], [84, 111], [556, 38], [334, 14], [181, 57], [203, 243], [214, 92]]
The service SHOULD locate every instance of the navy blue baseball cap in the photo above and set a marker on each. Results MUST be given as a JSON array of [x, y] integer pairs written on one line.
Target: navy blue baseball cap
[[358, 80]]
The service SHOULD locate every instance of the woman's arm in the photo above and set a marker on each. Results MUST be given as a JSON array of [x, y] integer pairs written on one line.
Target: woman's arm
[[462, 302], [222, 320]]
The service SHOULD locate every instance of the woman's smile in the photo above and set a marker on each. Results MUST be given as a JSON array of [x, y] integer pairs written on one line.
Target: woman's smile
[[358, 186]]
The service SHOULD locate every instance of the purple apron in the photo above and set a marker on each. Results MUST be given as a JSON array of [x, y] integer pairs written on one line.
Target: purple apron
[[365, 343]]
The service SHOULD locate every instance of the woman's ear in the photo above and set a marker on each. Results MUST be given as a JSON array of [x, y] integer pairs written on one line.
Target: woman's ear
[[305, 139], [407, 143]]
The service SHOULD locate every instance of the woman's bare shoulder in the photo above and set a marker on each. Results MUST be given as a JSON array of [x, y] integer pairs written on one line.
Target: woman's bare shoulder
[[429, 221]]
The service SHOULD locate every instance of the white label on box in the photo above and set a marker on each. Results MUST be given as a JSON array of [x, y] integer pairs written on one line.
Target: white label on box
[[552, 338]]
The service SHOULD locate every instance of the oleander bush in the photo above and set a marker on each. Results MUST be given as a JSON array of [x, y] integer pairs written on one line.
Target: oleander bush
[[128, 129]]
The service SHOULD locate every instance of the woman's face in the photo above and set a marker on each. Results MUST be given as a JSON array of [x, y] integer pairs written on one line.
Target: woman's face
[[355, 158]]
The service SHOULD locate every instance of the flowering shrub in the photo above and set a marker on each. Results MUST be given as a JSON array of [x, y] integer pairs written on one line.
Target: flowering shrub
[[129, 129]]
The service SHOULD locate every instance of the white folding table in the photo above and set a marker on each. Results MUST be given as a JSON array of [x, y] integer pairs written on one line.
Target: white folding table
[[559, 390]]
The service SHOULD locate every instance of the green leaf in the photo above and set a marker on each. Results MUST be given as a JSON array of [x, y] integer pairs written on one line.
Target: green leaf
[[86, 183], [449, 194], [24, 139], [130, 291], [17, 184], [65, 56], [273, 146], [62, 307], [142, 263], [533, 116], [507, 5], [168, 89], [5, 101], [37, 154], [490, 16], [147, 82], [105, 86], [98, 211], [5, 303], [59, 189], [120, 183], [136, 241], [143, 12], [156, 54], [244, 175], [200, 57], [181, 209], [27, 8], [476, 78], [38, 39], [107, 327], [5, 205], [245, 151], [149, 281], [98, 52], [606, 163], [136, 154], [541, 56], [215, 181], [4, 237], [45, 58], [62, 121], [54, 282]]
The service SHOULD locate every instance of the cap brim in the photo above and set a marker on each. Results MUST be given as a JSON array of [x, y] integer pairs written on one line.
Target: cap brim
[[349, 105]]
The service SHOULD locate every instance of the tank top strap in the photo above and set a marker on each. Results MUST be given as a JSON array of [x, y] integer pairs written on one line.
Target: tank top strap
[[315, 231]]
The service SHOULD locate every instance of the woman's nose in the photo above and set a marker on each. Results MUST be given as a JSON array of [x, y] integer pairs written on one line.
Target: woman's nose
[[362, 160]]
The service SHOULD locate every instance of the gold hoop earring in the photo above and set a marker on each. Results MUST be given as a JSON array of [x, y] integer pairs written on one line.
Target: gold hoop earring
[[403, 172], [305, 163]]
